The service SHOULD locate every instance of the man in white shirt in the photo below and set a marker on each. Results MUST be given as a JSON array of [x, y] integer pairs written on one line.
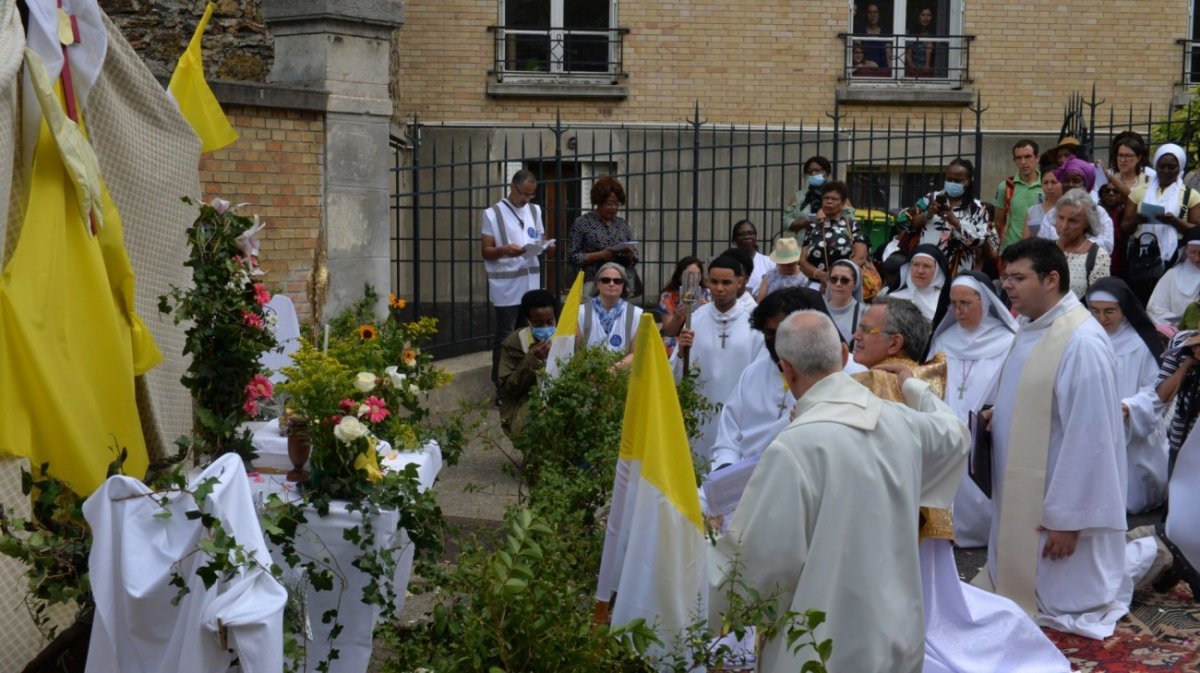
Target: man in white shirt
[[507, 227]]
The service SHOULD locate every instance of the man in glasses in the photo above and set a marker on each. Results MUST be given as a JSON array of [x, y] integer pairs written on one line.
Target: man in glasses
[[508, 227], [720, 343], [1057, 543]]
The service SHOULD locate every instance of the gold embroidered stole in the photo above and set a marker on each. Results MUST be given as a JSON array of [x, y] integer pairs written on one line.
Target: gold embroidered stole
[[934, 522]]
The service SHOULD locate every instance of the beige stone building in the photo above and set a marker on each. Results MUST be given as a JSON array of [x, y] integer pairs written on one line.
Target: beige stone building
[[779, 61]]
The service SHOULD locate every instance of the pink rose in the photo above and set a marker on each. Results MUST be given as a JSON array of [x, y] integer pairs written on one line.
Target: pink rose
[[251, 408], [261, 295], [259, 387], [252, 319], [347, 405]]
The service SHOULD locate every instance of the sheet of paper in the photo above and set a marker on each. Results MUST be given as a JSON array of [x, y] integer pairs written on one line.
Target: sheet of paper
[[723, 489], [627, 245], [536, 248]]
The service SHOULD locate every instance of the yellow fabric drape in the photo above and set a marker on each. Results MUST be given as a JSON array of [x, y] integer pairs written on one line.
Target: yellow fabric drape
[[70, 341]]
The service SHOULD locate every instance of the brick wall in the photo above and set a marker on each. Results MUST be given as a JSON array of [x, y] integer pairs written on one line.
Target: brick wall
[[276, 165], [778, 61]]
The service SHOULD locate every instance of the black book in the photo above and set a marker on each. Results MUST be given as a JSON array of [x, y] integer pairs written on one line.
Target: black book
[[980, 465]]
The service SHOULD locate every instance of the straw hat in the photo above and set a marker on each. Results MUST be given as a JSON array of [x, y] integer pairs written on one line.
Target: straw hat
[[1068, 142], [787, 251]]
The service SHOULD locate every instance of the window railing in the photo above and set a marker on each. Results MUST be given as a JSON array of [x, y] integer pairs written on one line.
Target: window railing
[[932, 60], [1189, 74], [545, 53]]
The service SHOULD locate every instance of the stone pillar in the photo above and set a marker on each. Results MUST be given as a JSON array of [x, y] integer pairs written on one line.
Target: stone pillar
[[342, 47]]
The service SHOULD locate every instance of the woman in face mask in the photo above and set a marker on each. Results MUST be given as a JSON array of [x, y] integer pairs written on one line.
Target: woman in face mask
[[522, 355], [952, 219], [807, 201]]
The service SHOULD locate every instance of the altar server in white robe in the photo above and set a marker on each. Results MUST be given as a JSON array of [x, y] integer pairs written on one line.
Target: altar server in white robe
[[924, 281], [760, 404], [829, 518], [974, 336], [720, 343], [1179, 286], [607, 320], [1057, 543], [1138, 349]]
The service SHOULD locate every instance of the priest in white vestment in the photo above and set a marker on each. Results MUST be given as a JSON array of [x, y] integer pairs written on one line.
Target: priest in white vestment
[[1179, 287], [967, 629], [975, 337], [1138, 349], [829, 519], [720, 343], [1057, 543]]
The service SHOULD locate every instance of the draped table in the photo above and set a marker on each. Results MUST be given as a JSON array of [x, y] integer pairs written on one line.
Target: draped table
[[322, 538]]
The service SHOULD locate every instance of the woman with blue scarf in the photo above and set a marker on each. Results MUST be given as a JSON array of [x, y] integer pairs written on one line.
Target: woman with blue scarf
[[608, 320]]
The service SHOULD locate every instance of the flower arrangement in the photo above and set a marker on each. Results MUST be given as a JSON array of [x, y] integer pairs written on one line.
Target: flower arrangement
[[369, 386], [229, 330]]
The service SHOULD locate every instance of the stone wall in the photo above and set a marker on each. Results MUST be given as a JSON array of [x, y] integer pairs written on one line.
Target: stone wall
[[237, 45], [276, 165]]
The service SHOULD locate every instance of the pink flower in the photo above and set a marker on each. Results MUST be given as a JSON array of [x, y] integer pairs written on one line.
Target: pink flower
[[252, 319], [347, 405], [259, 387], [261, 295], [250, 407], [375, 409]]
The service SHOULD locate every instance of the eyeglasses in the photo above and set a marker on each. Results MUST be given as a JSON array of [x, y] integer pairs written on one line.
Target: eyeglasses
[[840, 280], [610, 281], [874, 330]]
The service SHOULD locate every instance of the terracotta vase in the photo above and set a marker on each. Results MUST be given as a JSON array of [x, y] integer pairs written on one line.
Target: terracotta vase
[[299, 448]]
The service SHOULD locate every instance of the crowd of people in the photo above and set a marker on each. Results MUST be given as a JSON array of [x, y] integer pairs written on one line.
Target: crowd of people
[[1053, 332]]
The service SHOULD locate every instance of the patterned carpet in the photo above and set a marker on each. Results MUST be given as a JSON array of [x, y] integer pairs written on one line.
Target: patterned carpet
[[1161, 634]]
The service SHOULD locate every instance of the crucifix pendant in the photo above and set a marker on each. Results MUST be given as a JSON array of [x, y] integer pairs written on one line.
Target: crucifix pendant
[[782, 406], [961, 387], [723, 336]]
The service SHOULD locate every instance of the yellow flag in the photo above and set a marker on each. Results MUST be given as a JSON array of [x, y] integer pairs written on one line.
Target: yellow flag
[[195, 100], [562, 344], [568, 320], [653, 430]]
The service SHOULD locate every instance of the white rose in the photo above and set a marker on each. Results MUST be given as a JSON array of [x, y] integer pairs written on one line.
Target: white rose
[[349, 429], [365, 382], [414, 389], [396, 377], [363, 410]]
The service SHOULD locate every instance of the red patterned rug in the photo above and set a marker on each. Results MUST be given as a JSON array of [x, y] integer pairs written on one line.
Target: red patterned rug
[[1162, 633]]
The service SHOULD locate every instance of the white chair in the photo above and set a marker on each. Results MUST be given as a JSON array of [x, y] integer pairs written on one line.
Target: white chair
[[287, 336], [134, 556]]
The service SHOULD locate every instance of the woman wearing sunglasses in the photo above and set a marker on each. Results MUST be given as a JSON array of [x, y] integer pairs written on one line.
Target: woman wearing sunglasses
[[608, 320], [843, 298]]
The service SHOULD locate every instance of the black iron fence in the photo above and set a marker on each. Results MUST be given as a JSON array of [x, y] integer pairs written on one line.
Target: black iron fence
[[1096, 125], [912, 60], [558, 52], [686, 183]]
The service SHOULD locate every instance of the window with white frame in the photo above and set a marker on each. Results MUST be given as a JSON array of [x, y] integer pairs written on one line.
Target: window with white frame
[[558, 38], [906, 39]]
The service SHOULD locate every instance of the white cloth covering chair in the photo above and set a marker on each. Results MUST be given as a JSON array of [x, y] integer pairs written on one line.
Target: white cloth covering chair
[[133, 558], [287, 336]]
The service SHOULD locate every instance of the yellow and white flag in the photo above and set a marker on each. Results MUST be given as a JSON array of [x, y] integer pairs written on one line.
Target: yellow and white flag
[[654, 548], [562, 344], [195, 100]]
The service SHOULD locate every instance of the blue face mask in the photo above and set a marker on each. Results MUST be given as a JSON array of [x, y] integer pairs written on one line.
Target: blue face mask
[[954, 189], [816, 180], [542, 333]]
